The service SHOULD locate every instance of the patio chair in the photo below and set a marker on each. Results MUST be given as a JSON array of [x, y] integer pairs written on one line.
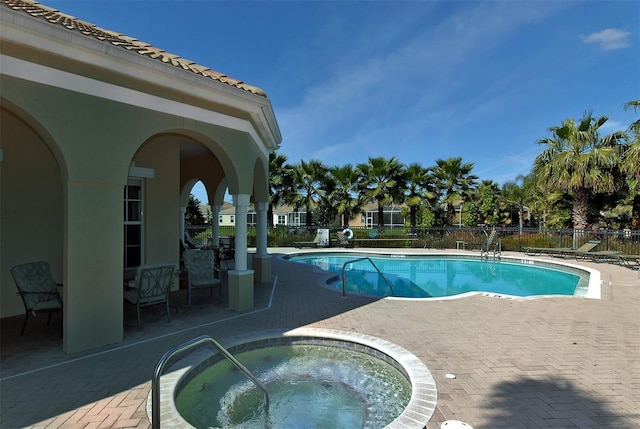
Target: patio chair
[[627, 260], [562, 251], [227, 250], [602, 255], [201, 272], [37, 288], [318, 240], [342, 241], [152, 287]]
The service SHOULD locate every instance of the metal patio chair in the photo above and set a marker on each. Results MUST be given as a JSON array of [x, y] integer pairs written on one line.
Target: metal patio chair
[[37, 288], [201, 272], [152, 287]]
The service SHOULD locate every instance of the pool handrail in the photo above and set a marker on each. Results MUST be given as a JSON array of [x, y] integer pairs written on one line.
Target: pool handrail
[[344, 281], [182, 349]]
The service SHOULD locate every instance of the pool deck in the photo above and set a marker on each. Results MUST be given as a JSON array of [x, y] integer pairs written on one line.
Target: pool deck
[[518, 363]]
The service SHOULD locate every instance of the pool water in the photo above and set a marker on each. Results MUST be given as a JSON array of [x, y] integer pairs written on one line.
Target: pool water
[[309, 386], [428, 276]]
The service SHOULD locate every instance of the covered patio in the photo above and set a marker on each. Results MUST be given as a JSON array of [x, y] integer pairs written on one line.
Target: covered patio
[[103, 137]]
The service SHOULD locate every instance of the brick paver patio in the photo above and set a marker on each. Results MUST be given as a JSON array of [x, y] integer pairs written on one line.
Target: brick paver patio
[[525, 363]]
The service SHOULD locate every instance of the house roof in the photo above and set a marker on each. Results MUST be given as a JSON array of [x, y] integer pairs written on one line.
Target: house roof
[[38, 10]]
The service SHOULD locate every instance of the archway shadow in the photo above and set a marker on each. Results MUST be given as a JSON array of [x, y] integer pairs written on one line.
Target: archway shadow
[[558, 402]]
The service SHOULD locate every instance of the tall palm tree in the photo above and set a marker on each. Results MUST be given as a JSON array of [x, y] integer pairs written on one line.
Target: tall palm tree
[[308, 180], [454, 181], [418, 188], [578, 161], [345, 192], [381, 182], [279, 182], [517, 192], [631, 165]]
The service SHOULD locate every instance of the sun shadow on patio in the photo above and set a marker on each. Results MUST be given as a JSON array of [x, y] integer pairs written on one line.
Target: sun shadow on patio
[[559, 402]]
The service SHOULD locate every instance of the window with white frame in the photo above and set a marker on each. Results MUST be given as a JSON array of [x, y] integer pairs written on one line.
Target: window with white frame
[[252, 219], [133, 222]]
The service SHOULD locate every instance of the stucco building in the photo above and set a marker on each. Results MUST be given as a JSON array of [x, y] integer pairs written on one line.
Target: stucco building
[[102, 137]]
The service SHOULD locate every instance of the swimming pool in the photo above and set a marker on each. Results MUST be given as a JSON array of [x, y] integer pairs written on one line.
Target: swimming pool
[[435, 276]]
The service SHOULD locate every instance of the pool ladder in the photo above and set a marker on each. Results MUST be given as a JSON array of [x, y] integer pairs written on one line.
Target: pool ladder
[[344, 279], [181, 350]]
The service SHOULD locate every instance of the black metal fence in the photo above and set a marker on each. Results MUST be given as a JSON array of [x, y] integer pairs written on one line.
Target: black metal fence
[[511, 238]]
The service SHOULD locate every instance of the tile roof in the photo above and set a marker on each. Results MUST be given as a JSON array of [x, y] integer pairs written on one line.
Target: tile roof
[[54, 16]]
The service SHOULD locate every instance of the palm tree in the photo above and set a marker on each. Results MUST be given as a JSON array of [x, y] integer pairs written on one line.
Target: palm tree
[[454, 181], [345, 192], [279, 182], [631, 165], [516, 192], [380, 182], [418, 187], [578, 161], [308, 180]]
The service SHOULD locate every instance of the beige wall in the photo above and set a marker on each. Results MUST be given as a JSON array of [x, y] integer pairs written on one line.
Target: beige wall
[[162, 199], [31, 224], [93, 305]]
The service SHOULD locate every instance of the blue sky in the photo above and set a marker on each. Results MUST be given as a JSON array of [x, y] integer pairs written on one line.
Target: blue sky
[[417, 80]]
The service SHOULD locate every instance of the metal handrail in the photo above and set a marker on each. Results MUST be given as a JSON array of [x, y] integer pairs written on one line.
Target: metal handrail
[[181, 350], [344, 281]]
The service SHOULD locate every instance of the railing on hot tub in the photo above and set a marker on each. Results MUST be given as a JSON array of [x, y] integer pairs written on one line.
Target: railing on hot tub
[[181, 350], [344, 278]]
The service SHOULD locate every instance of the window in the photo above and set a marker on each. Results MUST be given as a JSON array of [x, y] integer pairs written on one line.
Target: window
[[282, 220], [133, 223], [251, 219], [232, 218], [392, 216]]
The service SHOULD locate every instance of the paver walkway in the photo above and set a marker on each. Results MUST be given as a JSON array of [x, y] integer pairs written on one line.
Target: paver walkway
[[535, 363]]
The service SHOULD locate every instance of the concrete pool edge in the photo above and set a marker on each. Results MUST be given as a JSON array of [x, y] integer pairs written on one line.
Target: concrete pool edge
[[416, 414], [591, 291]]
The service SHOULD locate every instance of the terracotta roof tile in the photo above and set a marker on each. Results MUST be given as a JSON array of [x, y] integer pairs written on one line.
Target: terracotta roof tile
[[54, 16]]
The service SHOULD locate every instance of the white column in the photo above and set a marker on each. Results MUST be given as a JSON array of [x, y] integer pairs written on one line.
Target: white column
[[215, 225], [261, 229], [241, 202]]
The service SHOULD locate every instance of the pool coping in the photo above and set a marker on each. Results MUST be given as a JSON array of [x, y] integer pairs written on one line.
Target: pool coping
[[416, 414], [591, 291]]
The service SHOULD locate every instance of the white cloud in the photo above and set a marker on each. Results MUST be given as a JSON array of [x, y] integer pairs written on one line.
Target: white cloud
[[609, 38]]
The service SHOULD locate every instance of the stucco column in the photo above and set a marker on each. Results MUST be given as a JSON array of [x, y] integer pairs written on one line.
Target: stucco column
[[215, 224], [93, 276], [240, 278], [262, 260], [261, 229], [183, 211], [241, 202]]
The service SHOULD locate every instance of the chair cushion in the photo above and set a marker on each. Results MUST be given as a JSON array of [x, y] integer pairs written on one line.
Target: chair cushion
[[50, 304], [205, 282], [200, 265]]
